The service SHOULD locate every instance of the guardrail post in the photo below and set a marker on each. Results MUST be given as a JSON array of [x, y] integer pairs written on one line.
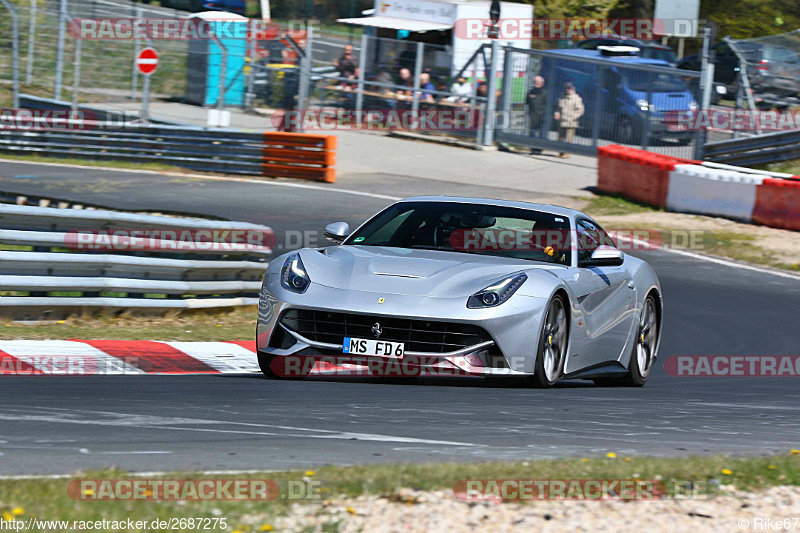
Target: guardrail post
[[62, 23], [362, 64], [31, 43], [14, 51], [491, 96]]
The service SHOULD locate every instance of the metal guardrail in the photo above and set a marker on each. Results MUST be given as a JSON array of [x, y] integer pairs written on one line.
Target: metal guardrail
[[274, 154], [45, 272], [760, 149], [228, 151]]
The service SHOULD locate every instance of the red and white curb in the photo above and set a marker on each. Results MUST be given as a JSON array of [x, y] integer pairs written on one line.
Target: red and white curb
[[102, 357]]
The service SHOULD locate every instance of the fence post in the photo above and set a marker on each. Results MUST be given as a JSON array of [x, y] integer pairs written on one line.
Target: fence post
[[137, 47], [417, 74], [491, 95], [76, 74], [14, 52], [645, 138], [31, 44], [706, 86], [505, 91], [304, 81], [223, 72], [597, 109], [62, 22], [250, 65], [362, 64]]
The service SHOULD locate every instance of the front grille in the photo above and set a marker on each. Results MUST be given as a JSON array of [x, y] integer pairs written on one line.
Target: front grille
[[418, 335]]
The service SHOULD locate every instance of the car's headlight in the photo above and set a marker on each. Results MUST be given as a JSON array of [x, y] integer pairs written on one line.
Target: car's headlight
[[693, 106], [644, 105], [293, 275], [497, 293]]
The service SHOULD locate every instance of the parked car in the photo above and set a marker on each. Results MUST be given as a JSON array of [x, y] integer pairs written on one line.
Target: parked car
[[771, 69], [195, 6], [647, 49], [627, 97]]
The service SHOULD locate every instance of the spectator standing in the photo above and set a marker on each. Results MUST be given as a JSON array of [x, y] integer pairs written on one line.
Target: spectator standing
[[570, 110], [537, 109], [347, 64]]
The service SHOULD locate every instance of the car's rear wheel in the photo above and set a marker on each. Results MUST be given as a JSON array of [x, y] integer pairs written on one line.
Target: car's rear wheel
[[644, 347], [552, 349]]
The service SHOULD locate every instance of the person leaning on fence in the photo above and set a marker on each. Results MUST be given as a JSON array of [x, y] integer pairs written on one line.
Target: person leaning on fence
[[570, 110], [347, 64], [537, 108], [461, 90]]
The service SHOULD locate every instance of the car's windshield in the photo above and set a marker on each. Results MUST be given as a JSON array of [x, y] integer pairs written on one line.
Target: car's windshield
[[469, 228], [665, 54]]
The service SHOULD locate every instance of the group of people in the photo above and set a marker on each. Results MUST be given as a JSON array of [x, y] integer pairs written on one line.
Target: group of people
[[569, 107], [461, 91], [569, 110]]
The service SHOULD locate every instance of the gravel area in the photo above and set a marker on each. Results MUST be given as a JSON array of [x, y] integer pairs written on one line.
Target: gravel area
[[415, 511]]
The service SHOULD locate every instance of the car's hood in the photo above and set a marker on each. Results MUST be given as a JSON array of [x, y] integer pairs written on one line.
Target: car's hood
[[431, 273]]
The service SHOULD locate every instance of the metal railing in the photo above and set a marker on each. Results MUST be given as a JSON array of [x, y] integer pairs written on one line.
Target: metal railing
[[46, 272], [760, 149]]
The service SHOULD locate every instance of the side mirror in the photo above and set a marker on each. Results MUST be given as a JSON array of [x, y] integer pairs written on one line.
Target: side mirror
[[337, 232], [605, 256]]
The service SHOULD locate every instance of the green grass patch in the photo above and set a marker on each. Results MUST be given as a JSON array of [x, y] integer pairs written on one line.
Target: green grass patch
[[48, 499], [195, 325], [610, 205]]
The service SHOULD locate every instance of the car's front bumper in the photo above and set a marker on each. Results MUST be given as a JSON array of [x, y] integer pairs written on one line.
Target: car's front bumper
[[513, 326]]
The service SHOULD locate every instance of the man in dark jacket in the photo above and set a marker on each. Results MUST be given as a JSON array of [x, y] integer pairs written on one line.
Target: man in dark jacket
[[537, 108]]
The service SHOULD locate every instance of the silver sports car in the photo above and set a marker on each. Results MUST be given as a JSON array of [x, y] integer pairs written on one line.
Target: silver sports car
[[473, 286]]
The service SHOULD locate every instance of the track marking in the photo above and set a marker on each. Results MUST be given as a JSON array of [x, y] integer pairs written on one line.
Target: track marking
[[160, 422], [214, 178], [699, 257]]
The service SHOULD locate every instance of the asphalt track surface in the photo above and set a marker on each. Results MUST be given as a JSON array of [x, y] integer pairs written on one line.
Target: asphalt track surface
[[156, 423]]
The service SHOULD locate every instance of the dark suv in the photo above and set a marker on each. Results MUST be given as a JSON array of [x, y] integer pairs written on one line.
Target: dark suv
[[771, 69]]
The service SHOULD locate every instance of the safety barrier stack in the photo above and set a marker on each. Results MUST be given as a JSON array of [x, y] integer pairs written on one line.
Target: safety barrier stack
[[683, 185]]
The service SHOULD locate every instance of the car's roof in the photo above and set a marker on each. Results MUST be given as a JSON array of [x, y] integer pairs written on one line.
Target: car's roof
[[544, 208], [619, 59]]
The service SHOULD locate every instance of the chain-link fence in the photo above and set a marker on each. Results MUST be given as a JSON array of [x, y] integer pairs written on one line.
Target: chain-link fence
[[565, 100], [575, 101]]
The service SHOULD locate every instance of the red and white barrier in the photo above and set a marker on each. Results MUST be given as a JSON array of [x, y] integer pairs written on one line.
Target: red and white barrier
[[699, 189], [101, 357], [688, 186]]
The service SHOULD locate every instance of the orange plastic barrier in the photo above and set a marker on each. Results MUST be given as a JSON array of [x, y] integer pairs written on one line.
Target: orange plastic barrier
[[636, 174], [299, 155], [778, 204]]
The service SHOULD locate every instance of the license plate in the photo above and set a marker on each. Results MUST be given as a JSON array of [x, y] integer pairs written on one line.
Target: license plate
[[356, 346]]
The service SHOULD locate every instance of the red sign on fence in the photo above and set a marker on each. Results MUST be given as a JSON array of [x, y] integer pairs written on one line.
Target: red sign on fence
[[147, 61]]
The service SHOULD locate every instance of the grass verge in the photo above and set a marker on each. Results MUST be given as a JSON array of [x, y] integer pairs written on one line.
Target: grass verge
[[199, 325], [48, 499]]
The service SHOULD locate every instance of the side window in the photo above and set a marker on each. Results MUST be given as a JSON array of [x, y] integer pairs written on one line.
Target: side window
[[590, 236]]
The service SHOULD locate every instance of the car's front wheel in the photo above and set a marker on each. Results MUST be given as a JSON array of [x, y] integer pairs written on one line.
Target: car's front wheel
[[298, 368], [552, 349], [644, 349]]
